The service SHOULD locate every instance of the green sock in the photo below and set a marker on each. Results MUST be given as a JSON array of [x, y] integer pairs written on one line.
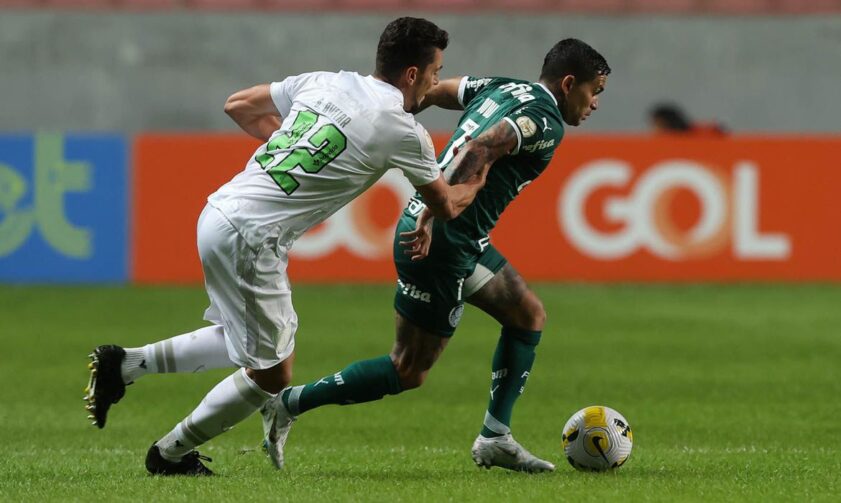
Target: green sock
[[363, 381], [511, 365]]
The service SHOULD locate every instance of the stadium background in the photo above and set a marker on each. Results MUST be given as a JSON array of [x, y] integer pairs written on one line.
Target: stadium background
[[112, 134], [102, 183]]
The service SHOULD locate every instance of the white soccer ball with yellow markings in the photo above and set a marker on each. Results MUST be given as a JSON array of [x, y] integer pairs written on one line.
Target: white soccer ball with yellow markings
[[597, 438]]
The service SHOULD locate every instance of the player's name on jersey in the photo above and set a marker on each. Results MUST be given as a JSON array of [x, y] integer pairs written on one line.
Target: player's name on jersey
[[332, 111]]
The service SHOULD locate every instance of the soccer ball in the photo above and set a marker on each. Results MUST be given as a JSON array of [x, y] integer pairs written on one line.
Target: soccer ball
[[597, 438]]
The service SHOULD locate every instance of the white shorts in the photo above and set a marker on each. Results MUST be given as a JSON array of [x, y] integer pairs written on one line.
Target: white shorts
[[249, 292]]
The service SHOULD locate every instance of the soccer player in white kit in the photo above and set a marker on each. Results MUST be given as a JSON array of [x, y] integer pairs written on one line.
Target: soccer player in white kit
[[328, 137]]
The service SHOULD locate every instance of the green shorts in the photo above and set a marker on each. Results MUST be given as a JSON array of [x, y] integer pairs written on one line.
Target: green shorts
[[431, 292]]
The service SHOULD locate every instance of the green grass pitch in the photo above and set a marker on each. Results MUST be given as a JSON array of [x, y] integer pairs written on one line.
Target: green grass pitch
[[734, 393]]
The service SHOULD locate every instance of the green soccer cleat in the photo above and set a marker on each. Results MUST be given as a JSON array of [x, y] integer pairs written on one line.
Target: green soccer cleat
[[506, 452]]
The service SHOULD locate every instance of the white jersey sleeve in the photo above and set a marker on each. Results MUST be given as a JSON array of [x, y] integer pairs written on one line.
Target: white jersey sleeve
[[416, 157], [284, 92]]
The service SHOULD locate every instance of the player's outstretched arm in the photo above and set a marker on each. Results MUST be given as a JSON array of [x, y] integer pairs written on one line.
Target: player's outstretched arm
[[254, 111], [443, 95]]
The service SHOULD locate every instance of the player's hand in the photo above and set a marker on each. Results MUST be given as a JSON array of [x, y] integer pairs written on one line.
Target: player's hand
[[418, 241]]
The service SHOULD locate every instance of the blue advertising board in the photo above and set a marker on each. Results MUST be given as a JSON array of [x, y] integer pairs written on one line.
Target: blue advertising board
[[63, 208]]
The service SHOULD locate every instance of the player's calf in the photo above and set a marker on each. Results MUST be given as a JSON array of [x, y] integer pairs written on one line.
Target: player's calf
[[414, 353]]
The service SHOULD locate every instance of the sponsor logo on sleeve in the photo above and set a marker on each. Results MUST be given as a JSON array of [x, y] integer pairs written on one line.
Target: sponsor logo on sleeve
[[476, 84], [546, 126]]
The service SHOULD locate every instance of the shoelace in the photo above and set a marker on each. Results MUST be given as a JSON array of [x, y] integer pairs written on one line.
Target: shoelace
[[195, 456]]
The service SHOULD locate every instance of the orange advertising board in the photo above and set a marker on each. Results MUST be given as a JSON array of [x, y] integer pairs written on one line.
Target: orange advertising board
[[172, 176], [639, 209], [624, 208]]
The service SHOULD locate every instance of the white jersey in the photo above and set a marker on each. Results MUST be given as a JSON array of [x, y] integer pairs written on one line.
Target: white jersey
[[341, 132]]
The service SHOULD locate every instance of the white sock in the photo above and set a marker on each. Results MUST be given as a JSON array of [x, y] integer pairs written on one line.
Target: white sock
[[203, 349], [228, 403]]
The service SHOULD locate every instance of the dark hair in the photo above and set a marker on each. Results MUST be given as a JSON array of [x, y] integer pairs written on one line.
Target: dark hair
[[408, 41], [672, 116], [573, 57]]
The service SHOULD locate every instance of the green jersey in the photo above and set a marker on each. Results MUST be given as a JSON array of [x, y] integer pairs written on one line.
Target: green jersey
[[533, 113]]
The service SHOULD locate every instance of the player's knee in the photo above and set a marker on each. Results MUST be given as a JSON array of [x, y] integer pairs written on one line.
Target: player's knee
[[285, 378], [534, 315], [411, 379], [411, 374], [272, 380]]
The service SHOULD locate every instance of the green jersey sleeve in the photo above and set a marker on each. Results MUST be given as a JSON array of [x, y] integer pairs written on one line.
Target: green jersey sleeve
[[470, 87], [538, 132]]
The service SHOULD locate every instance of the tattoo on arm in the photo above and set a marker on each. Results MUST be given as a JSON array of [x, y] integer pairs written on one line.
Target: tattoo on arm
[[494, 143], [465, 165]]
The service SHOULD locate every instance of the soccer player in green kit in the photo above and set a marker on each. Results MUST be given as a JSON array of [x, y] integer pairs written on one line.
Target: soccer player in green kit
[[513, 126]]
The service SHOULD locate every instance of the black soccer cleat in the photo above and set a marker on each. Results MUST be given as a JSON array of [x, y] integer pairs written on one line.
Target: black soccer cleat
[[105, 386], [191, 464]]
